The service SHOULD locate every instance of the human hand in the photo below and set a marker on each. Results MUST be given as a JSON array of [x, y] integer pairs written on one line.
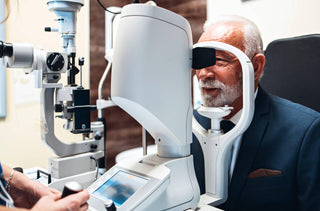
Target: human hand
[[73, 202], [26, 192]]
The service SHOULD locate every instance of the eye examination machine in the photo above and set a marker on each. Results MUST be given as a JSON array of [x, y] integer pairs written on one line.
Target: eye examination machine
[[151, 81], [78, 160], [153, 56]]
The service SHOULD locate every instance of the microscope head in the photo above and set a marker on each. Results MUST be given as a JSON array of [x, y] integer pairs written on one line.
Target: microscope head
[[66, 11]]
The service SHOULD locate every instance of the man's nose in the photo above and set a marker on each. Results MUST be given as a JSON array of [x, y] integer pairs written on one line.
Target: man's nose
[[204, 74]]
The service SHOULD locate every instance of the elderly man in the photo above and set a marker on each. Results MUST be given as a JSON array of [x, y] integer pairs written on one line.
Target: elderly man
[[276, 163]]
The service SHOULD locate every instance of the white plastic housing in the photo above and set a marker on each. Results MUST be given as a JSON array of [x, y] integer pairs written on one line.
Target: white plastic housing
[[22, 56], [216, 148], [66, 11], [151, 78]]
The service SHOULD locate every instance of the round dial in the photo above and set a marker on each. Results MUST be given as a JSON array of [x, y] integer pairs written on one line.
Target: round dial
[[55, 61]]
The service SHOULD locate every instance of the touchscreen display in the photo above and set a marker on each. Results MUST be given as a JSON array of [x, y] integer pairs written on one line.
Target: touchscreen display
[[120, 187]]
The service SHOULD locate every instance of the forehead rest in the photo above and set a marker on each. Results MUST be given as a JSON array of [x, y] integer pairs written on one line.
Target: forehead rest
[[203, 57]]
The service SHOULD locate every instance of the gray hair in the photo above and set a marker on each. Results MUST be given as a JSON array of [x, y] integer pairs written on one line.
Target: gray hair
[[252, 37]]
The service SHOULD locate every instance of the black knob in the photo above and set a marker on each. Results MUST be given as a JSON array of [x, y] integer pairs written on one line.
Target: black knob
[[58, 107], [71, 188], [94, 146], [109, 205], [6, 49], [97, 137], [55, 61], [19, 169], [55, 77], [81, 61]]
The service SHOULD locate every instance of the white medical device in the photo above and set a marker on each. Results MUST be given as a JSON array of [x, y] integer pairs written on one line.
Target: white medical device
[[151, 81], [77, 160], [66, 11], [215, 145]]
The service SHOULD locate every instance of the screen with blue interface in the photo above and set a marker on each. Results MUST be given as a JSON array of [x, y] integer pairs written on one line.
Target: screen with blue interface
[[120, 187]]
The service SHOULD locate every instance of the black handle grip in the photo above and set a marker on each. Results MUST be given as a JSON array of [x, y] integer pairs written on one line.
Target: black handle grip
[[71, 188]]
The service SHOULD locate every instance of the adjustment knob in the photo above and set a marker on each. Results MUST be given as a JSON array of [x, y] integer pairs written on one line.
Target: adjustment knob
[[71, 188], [81, 61], [93, 146], [97, 137], [109, 205], [55, 61], [58, 107]]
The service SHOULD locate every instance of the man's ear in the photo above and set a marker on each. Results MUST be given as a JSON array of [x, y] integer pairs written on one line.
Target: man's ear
[[258, 62]]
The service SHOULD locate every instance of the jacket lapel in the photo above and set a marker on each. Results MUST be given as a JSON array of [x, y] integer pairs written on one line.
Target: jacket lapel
[[249, 147]]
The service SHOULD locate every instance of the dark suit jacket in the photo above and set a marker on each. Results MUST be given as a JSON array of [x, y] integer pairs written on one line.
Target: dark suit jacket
[[285, 137]]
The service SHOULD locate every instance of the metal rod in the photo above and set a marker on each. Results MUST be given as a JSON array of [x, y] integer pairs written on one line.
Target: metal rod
[[144, 141]]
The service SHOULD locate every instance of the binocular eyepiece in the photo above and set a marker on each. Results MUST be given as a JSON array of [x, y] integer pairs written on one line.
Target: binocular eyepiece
[[6, 49]]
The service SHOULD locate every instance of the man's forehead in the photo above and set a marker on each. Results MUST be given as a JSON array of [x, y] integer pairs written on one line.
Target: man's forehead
[[226, 32], [225, 54]]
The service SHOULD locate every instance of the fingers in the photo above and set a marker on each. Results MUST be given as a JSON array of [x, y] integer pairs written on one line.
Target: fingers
[[55, 197], [75, 201], [84, 207], [54, 191], [82, 196]]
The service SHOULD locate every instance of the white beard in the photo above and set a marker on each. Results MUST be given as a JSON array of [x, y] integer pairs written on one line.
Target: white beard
[[227, 95]]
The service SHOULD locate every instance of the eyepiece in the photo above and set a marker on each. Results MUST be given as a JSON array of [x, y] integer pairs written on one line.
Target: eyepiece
[[6, 49]]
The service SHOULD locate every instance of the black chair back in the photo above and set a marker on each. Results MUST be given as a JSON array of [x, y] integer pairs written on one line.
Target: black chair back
[[292, 70]]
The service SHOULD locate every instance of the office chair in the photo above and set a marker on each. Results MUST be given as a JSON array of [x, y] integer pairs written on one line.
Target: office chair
[[292, 70]]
